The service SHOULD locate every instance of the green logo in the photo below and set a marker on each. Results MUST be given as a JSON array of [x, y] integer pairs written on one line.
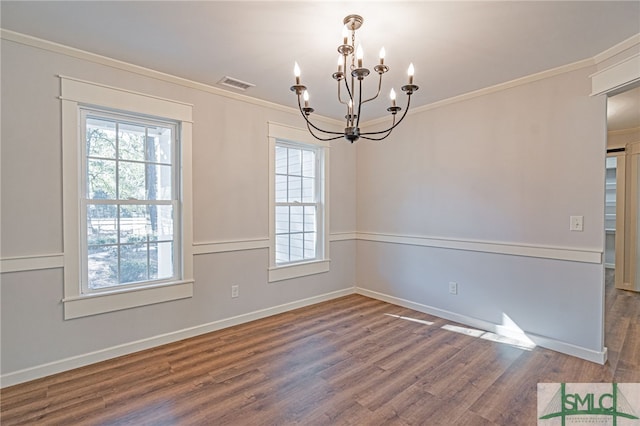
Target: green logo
[[589, 404]]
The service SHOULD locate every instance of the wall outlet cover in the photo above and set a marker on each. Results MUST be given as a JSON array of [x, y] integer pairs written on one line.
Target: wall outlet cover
[[576, 223]]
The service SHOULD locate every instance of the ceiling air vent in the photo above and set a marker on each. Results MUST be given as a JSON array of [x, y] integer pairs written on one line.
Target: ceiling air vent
[[235, 83]]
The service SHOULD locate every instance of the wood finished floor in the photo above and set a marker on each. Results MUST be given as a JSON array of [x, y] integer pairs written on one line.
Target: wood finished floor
[[350, 361]]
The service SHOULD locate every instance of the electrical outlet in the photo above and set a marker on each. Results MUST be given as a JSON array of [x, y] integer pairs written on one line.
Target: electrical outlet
[[453, 288], [576, 223], [235, 291]]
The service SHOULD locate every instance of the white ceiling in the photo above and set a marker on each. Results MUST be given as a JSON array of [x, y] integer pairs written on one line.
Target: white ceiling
[[456, 47]]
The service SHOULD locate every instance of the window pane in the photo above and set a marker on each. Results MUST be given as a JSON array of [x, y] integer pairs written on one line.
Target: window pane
[[282, 219], [101, 179], [101, 138], [159, 182], [281, 160], [131, 142], [309, 219], [133, 263], [102, 224], [160, 221], [160, 260], [296, 247], [282, 248], [131, 181], [295, 189], [102, 266], [296, 219], [295, 162], [309, 245], [159, 148], [134, 224], [308, 190], [308, 163], [281, 189]]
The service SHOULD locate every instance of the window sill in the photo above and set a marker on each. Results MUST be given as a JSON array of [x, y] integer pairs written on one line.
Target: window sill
[[286, 272], [98, 303]]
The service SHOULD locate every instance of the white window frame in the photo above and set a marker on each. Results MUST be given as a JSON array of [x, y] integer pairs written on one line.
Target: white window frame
[[299, 138], [75, 95]]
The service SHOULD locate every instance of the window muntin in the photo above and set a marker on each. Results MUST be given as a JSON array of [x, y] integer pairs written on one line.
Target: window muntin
[[298, 204], [130, 201]]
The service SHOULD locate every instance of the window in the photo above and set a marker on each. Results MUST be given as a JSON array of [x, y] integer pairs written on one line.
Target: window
[[130, 201], [127, 199], [298, 203]]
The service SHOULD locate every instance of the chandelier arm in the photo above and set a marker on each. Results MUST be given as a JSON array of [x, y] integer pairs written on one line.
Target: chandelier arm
[[376, 139], [393, 126], [340, 95], [341, 135], [309, 123], [388, 131], [348, 88], [359, 103], [378, 93], [352, 93]]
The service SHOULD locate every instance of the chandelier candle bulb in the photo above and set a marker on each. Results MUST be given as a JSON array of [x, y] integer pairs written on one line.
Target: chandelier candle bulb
[[410, 72], [392, 96], [306, 99], [360, 55], [345, 35], [340, 60], [382, 54], [296, 72]]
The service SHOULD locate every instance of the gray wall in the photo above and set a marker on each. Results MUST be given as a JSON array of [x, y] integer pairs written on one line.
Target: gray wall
[[230, 193], [501, 171]]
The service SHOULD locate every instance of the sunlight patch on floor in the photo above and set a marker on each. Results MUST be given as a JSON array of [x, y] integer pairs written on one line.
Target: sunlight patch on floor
[[510, 333], [517, 342], [463, 330], [419, 321]]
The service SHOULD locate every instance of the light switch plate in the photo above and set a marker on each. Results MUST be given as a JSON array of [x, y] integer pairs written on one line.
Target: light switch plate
[[576, 223]]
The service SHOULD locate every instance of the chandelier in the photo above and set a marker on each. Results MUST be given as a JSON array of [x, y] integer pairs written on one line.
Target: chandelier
[[352, 78]]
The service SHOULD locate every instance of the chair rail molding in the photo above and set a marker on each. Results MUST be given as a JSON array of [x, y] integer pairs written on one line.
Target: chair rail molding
[[514, 249], [31, 263]]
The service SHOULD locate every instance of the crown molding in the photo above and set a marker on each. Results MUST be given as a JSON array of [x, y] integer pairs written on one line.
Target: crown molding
[[496, 88], [618, 48], [147, 72], [72, 52]]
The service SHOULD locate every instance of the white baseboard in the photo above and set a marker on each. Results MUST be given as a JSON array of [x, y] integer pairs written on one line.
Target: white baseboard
[[545, 342], [70, 363]]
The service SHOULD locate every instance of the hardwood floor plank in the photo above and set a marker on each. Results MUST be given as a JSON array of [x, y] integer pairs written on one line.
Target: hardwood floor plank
[[628, 358], [515, 390], [349, 361]]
